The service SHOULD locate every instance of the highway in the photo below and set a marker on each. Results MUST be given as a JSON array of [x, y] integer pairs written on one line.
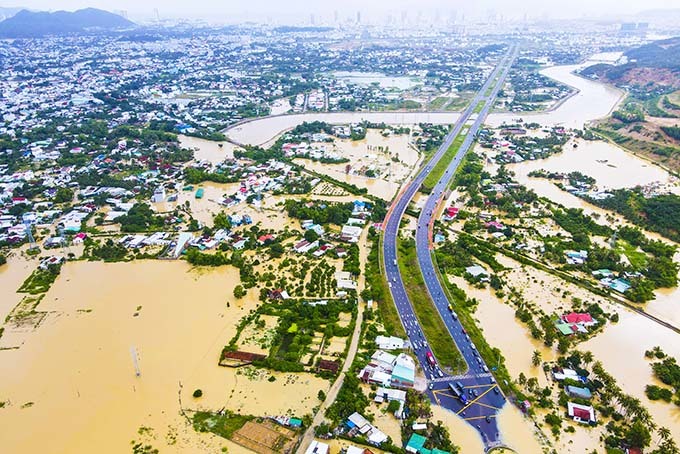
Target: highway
[[483, 398]]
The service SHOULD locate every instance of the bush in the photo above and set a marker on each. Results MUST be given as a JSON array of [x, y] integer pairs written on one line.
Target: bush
[[198, 393]]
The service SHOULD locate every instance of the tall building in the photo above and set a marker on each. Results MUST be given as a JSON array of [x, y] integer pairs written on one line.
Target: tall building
[[358, 17]]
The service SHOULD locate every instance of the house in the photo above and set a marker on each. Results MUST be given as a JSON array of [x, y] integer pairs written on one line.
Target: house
[[581, 413], [416, 445], [305, 246], [404, 372], [350, 233], [575, 391], [344, 280], [576, 257], [266, 238], [584, 319], [450, 214], [476, 271], [240, 244], [389, 343], [560, 374], [79, 238], [317, 448], [358, 425]]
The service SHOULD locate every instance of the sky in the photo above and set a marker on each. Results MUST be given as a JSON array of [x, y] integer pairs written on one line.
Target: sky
[[325, 9]]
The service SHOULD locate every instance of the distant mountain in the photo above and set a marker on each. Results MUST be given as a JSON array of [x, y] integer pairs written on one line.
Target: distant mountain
[[652, 65], [27, 24], [6, 13]]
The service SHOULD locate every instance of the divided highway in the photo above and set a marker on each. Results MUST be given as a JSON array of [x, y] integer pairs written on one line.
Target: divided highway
[[474, 395]]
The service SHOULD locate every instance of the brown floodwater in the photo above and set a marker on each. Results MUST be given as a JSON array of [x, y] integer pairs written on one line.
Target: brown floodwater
[[594, 100], [360, 155], [12, 275], [258, 132], [208, 150], [72, 387]]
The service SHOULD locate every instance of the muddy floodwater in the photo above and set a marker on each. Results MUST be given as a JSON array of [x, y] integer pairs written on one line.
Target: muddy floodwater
[[592, 101], [72, 387], [260, 131]]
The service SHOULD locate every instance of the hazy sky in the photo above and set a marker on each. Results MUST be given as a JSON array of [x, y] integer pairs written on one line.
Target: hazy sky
[[370, 8]]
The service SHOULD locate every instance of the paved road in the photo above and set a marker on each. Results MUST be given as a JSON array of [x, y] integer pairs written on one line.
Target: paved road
[[484, 398]]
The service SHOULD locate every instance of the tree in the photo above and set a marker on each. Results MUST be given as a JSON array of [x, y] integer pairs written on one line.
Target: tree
[[311, 235], [536, 358], [276, 250], [393, 406], [63, 195], [239, 292], [198, 393], [321, 395], [638, 435]]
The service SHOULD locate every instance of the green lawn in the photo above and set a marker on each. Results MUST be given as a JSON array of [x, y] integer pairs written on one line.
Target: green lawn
[[479, 107], [438, 103], [223, 425], [441, 344], [441, 166]]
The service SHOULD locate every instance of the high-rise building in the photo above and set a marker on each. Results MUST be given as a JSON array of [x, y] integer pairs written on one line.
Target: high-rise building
[[358, 17]]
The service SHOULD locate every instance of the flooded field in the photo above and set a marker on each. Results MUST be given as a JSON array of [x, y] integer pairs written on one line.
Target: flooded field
[[12, 275], [593, 101], [363, 154], [208, 150], [621, 349], [611, 166], [258, 132], [72, 387]]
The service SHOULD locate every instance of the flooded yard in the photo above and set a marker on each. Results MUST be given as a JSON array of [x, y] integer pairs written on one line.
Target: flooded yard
[[72, 387]]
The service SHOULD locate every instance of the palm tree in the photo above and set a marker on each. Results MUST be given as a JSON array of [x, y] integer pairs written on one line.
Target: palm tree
[[587, 357], [536, 358]]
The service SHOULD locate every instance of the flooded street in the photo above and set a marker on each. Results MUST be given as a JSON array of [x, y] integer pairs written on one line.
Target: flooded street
[[71, 387]]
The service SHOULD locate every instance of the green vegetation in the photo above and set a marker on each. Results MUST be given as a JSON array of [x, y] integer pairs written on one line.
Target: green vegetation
[[350, 399], [140, 218], [320, 213], [3, 259], [109, 251], [377, 290], [438, 170], [63, 195], [667, 371], [194, 176], [297, 324], [224, 424], [431, 322], [40, 280], [197, 393], [660, 214], [672, 131]]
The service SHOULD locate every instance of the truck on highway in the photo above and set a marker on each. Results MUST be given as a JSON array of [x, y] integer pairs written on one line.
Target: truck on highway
[[430, 359], [454, 390]]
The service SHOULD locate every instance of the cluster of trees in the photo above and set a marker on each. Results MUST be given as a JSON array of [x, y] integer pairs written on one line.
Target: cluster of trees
[[3, 259], [658, 213], [109, 251], [672, 131], [320, 213], [140, 218], [193, 175], [350, 399], [668, 372]]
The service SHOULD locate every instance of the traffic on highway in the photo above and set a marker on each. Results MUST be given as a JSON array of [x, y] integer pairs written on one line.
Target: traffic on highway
[[473, 395]]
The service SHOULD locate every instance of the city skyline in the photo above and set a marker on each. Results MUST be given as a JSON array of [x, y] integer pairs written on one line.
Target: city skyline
[[302, 10]]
